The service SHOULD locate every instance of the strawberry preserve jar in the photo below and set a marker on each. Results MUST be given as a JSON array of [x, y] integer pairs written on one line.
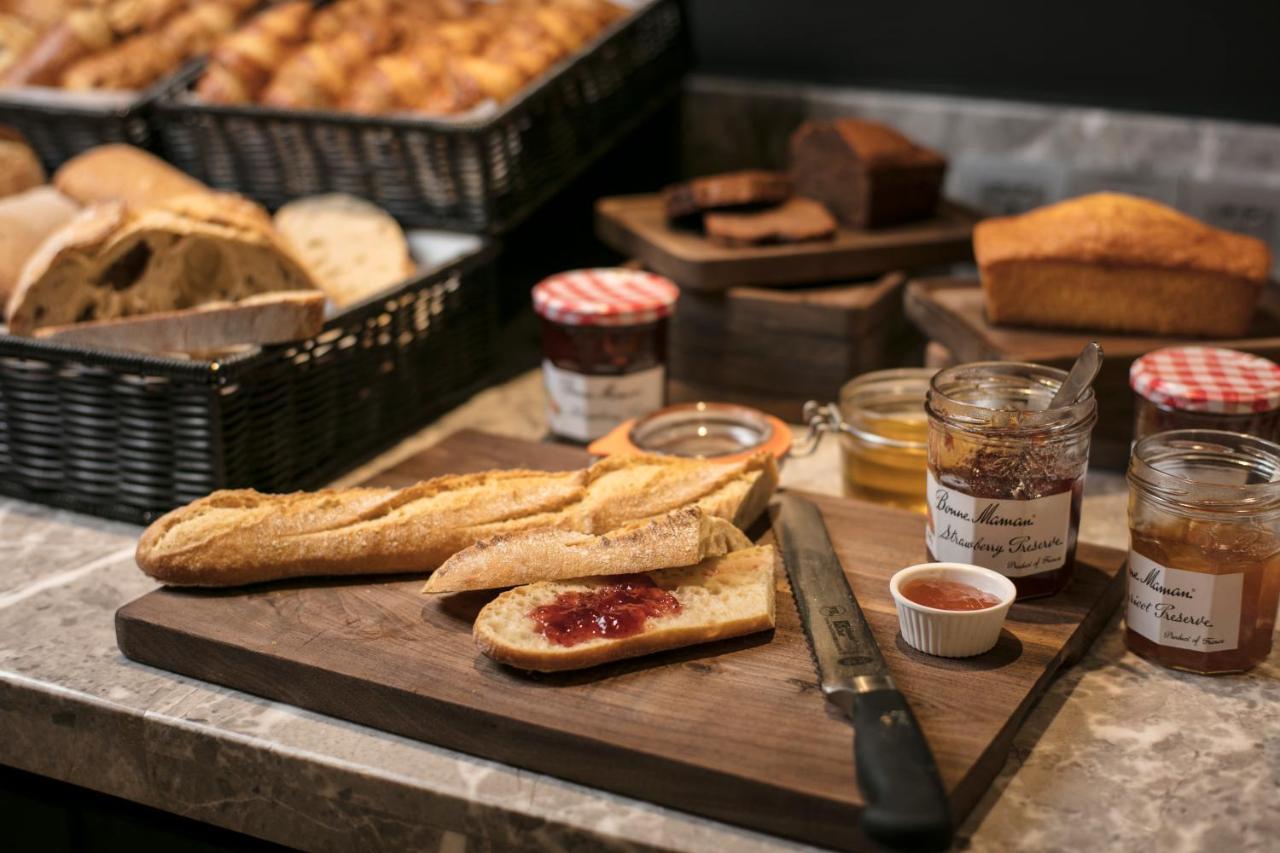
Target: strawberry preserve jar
[[1204, 563], [1205, 388], [604, 347], [1006, 472]]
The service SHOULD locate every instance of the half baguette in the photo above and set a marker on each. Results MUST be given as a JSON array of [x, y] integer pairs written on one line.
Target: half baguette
[[719, 598], [242, 536], [683, 537]]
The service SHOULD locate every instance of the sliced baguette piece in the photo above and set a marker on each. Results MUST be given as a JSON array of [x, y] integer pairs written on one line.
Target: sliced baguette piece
[[269, 318], [682, 537], [242, 536], [352, 247], [719, 598]]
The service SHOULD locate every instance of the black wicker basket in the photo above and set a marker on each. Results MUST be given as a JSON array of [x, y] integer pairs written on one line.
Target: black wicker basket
[[130, 437], [471, 175], [59, 125]]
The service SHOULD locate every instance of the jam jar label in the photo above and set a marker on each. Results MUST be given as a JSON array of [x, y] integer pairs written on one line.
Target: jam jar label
[[1188, 610], [1013, 537], [586, 407]]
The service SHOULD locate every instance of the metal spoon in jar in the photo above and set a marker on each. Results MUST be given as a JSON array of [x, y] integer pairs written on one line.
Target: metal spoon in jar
[[1082, 374]]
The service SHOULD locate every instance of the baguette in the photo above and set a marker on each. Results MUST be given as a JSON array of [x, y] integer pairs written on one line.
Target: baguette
[[269, 318], [123, 173], [719, 598], [26, 221], [682, 537], [239, 537]]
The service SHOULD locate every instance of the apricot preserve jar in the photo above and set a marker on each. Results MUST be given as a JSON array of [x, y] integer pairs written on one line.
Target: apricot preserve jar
[[604, 347], [1204, 560], [1006, 471], [1205, 388]]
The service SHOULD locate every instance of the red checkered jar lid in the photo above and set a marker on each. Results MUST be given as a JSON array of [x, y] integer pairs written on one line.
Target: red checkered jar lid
[[605, 297], [1207, 379]]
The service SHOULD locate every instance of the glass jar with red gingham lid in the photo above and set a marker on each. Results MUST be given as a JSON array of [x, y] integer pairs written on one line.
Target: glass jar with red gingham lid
[[1205, 388], [604, 347]]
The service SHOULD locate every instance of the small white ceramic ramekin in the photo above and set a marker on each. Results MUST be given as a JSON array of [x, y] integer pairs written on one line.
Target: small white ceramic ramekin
[[952, 633]]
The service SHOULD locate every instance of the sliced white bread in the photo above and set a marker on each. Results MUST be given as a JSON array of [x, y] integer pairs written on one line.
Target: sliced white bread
[[682, 537], [722, 597], [353, 248]]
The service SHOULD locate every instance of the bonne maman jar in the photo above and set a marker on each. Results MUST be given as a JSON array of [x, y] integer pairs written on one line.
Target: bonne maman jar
[[1204, 560], [604, 347], [1005, 472]]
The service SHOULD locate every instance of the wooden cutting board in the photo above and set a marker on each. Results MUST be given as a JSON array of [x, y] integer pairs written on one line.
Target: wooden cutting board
[[735, 730], [636, 226], [952, 312]]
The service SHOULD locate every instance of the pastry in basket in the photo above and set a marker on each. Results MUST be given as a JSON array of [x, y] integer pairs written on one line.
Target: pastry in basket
[[20, 168], [241, 537], [241, 65], [353, 248], [1112, 261], [571, 624], [375, 56], [796, 220], [867, 174], [113, 261], [120, 44]]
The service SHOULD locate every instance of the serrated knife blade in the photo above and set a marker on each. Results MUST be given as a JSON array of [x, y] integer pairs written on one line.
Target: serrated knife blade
[[906, 805]]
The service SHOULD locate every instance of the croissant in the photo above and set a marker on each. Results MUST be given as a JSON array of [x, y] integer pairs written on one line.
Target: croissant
[[242, 63], [319, 74], [16, 35], [127, 17], [397, 81], [81, 33], [131, 64], [197, 30]]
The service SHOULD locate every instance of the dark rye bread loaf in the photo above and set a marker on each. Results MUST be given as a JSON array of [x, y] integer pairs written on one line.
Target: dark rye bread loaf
[[753, 188], [867, 174]]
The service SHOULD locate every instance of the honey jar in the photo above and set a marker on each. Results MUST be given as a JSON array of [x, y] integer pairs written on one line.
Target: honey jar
[[1205, 388], [604, 347], [1006, 472], [881, 422], [1204, 560]]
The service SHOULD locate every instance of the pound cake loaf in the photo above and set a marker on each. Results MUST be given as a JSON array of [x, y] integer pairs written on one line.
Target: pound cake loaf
[[867, 174], [1120, 263]]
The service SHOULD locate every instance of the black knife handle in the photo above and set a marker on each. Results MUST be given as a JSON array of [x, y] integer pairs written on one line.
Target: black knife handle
[[906, 804]]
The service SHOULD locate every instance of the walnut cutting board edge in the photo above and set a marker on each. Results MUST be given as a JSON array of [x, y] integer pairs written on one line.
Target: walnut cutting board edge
[[735, 730]]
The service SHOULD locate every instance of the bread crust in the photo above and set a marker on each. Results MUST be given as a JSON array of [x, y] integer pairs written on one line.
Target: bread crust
[[682, 537], [761, 563], [238, 537], [1118, 230], [123, 173]]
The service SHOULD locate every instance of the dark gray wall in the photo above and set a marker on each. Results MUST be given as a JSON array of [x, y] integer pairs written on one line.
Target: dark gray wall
[[1193, 57]]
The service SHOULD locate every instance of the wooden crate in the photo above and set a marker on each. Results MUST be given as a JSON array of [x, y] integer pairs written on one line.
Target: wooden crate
[[774, 349]]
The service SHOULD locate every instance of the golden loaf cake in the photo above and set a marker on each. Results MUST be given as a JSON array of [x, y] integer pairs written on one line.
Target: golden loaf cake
[[1120, 263]]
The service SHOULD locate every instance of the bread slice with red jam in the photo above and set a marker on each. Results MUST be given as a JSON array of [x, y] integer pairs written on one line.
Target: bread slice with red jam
[[560, 625]]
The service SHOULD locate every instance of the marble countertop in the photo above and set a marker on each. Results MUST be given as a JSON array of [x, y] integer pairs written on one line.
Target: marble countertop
[[1118, 754]]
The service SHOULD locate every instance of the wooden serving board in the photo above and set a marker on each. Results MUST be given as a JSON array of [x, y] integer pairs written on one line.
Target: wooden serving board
[[952, 312], [735, 730], [636, 226]]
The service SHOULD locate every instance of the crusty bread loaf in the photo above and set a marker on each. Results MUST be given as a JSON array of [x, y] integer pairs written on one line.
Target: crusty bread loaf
[[866, 173], [123, 173], [239, 537], [352, 247], [110, 262], [682, 537], [718, 598], [1117, 262], [20, 168], [26, 221], [267, 318]]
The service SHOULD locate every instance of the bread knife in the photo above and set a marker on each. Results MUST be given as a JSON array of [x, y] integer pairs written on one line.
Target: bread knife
[[906, 805]]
